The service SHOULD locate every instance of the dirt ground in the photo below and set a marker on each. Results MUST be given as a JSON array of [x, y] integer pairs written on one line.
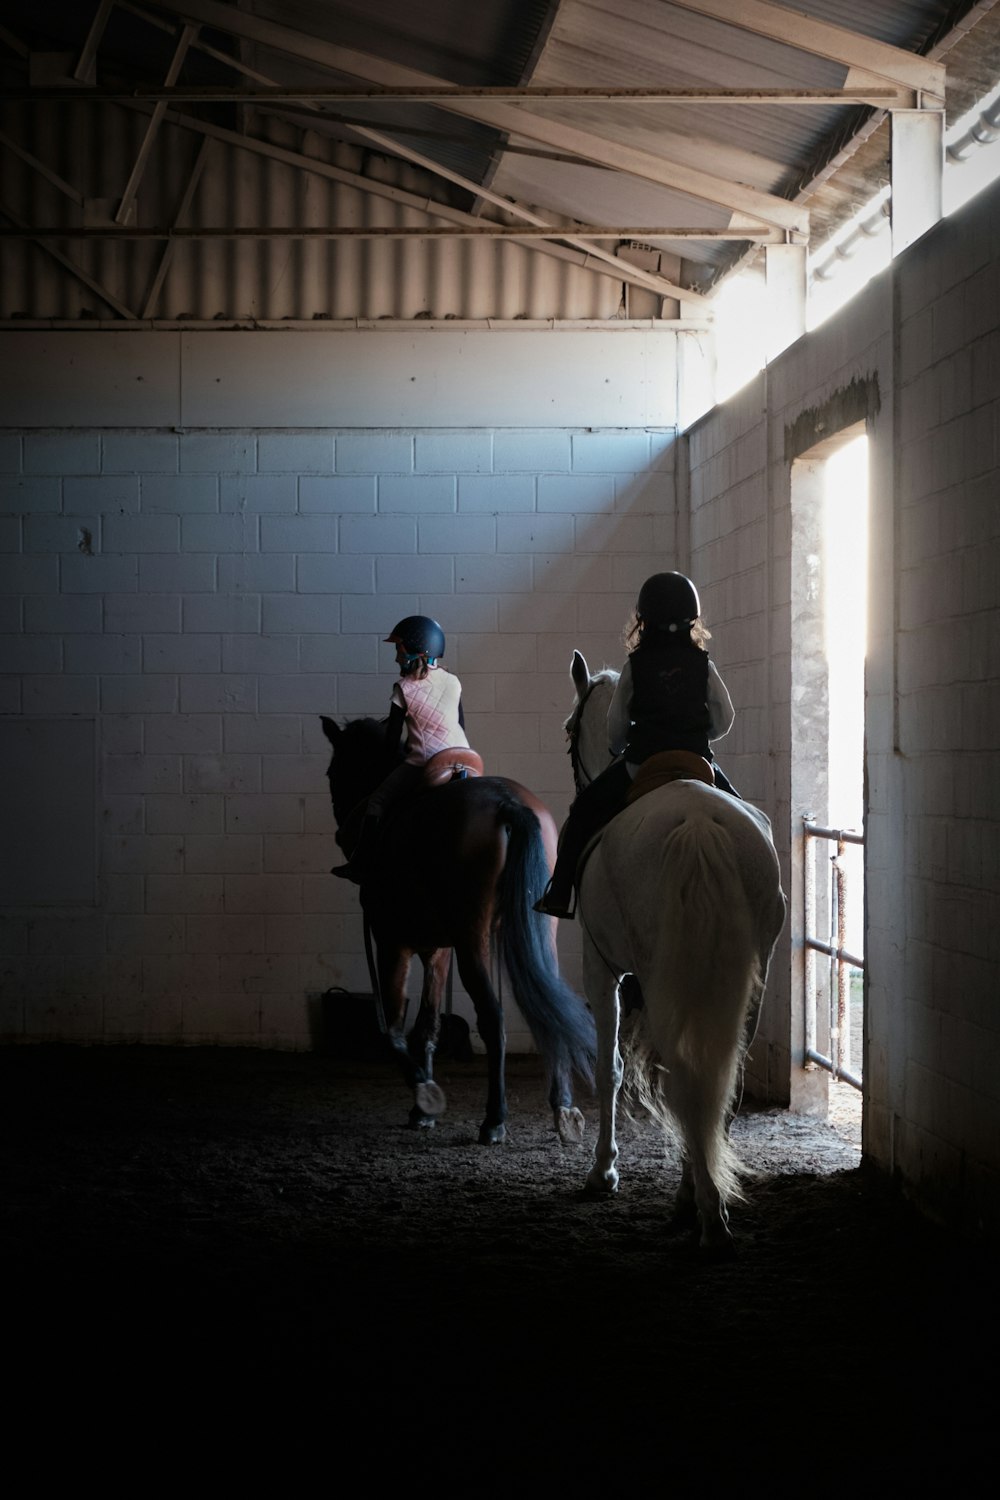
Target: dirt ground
[[215, 1235]]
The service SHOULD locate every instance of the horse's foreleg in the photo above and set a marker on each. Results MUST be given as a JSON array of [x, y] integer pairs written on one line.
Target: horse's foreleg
[[394, 970], [430, 1100], [602, 992], [475, 975]]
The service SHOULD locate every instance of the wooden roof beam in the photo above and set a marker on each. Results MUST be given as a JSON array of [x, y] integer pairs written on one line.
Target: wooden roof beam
[[70, 266], [482, 229], [884, 95], [86, 67], [866, 59], [585, 260], [736, 197]]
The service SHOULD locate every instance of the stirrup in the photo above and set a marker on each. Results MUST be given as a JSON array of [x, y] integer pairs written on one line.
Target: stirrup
[[549, 908]]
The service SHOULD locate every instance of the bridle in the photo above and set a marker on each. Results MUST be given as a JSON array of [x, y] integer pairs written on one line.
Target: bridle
[[581, 776], [582, 779]]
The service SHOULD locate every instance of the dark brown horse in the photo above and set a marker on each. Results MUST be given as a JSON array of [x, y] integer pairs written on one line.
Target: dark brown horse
[[457, 869]]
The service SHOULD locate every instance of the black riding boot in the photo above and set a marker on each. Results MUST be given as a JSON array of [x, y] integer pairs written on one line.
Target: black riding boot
[[595, 806], [559, 898], [359, 865]]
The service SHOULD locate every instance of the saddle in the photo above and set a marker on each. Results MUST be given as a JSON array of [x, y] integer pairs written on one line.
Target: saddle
[[669, 765], [453, 764], [361, 831], [659, 770]]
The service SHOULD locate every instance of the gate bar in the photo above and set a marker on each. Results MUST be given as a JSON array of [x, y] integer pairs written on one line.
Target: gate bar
[[839, 955]]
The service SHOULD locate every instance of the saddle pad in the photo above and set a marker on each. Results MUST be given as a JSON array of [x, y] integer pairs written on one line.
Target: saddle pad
[[669, 765]]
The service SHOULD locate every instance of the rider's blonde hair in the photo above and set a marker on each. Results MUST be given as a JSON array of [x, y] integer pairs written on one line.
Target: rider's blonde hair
[[416, 667], [635, 629]]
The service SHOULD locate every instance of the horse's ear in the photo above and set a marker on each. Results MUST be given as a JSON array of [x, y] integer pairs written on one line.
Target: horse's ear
[[330, 729], [580, 672]]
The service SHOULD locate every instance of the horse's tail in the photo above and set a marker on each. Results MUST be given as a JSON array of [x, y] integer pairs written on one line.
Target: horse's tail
[[558, 1019], [706, 969]]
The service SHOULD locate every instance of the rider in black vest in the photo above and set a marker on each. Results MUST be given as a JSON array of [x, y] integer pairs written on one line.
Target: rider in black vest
[[669, 697], [669, 704]]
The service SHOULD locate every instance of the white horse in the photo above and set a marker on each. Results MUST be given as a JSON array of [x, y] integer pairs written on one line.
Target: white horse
[[683, 891]]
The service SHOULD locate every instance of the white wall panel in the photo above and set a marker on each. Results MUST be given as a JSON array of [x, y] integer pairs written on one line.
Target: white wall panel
[[102, 379], [370, 379], [463, 379]]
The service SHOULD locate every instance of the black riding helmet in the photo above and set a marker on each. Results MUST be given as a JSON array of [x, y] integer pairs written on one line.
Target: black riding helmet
[[419, 636], [668, 601]]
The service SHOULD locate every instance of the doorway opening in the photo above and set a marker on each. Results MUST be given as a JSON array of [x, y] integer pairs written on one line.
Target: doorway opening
[[829, 624]]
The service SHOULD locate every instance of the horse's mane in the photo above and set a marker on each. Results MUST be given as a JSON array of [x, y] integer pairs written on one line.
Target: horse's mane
[[364, 728], [359, 761]]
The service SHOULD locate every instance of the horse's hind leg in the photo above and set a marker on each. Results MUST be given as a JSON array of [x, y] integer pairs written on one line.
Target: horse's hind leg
[[685, 1214], [475, 975], [570, 1124], [693, 1103], [602, 992]]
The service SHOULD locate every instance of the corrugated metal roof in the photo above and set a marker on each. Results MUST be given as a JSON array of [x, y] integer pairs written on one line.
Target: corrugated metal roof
[[458, 162]]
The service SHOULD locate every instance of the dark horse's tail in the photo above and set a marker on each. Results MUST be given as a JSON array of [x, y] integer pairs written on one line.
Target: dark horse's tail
[[559, 1021]]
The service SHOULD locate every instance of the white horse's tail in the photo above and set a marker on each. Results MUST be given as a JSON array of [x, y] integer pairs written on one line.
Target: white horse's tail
[[687, 1051]]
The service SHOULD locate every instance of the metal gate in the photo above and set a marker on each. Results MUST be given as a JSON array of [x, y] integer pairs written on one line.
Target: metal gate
[[841, 960]]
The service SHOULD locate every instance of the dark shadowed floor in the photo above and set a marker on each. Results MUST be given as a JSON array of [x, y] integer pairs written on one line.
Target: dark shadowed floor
[[226, 1234]]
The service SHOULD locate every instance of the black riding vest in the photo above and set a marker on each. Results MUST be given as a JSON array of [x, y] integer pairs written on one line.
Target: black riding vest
[[669, 709]]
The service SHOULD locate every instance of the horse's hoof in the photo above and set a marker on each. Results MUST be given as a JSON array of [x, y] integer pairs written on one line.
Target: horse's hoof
[[684, 1218], [420, 1121], [492, 1135], [430, 1098], [601, 1184], [570, 1125], [716, 1242]]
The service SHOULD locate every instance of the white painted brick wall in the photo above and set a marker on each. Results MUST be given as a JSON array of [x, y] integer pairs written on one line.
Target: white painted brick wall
[[207, 595], [933, 836]]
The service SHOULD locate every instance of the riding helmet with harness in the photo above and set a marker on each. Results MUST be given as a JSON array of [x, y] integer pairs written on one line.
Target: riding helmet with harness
[[668, 601], [418, 635]]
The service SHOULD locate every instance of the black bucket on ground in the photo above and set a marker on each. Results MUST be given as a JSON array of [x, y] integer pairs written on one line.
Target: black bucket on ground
[[345, 1025]]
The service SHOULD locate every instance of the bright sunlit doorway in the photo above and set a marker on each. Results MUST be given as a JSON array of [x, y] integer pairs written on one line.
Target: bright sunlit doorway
[[829, 621]]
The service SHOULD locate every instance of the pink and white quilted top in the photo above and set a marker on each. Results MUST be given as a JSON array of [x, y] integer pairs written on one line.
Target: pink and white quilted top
[[431, 714]]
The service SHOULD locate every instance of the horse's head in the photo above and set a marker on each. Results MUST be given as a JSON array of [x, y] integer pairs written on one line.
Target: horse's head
[[358, 762], [587, 726]]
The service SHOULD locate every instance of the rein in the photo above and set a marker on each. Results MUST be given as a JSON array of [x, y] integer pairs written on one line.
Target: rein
[[582, 779], [581, 776]]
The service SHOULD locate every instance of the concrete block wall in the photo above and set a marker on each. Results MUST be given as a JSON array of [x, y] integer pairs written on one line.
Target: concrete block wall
[[736, 560], [732, 553], [923, 342], [946, 1087], [198, 599]]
